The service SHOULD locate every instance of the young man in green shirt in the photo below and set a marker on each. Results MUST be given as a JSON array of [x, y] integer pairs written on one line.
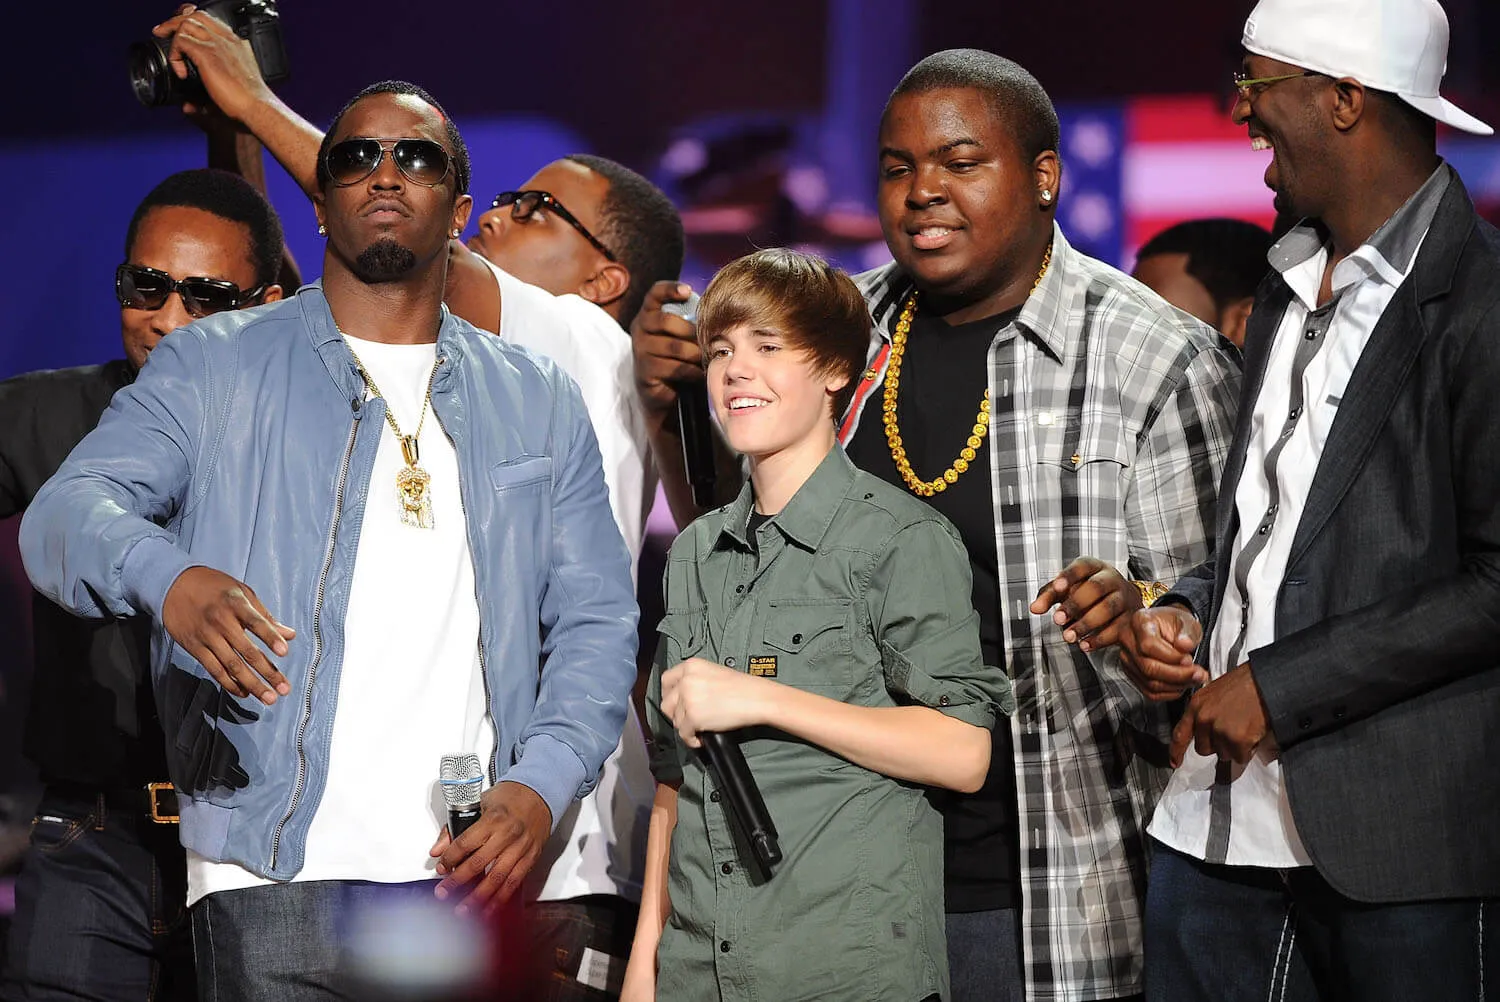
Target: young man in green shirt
[[825, 617]]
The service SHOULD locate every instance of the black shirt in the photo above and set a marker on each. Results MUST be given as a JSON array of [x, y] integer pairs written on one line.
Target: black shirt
[[92, 720], [944, 374]]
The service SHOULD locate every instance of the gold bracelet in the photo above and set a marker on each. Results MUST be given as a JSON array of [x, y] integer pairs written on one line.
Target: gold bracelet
[[1150, 591]]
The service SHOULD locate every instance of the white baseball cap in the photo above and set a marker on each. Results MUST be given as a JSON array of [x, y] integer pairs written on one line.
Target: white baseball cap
[[1397, 46]]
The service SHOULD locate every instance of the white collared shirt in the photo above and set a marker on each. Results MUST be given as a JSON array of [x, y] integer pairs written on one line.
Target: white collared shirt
[[1247, 820]]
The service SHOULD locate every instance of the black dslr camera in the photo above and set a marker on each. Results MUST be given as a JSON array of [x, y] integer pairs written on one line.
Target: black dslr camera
[[155, 84]]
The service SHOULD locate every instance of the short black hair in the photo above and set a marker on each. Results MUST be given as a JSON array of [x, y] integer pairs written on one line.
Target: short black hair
[[227, 196], [1014, 93], [640, 225], [1227, 255], [455, 140]]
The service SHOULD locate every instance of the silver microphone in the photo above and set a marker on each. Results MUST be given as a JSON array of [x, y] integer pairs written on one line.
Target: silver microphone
[[462, 780]]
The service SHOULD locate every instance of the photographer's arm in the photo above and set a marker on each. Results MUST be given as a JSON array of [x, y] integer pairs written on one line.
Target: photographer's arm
[[227, 67], [231, 148]]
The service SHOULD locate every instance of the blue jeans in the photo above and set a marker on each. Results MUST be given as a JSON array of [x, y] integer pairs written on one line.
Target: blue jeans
[[321, 940], [100, 908], [1227, 933], [984, 956]]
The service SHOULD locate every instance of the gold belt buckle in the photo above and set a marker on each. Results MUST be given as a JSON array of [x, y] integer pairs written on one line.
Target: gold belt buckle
[[153, 791]]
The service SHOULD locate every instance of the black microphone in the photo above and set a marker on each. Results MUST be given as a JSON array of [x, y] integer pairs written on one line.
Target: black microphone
[[694, 421], [732, 776], [462, 780]]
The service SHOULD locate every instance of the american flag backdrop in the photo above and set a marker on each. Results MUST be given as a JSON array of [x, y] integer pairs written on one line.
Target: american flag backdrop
[[1134, 167]]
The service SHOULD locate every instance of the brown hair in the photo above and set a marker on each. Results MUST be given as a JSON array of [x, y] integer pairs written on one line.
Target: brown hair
[[815, 307]]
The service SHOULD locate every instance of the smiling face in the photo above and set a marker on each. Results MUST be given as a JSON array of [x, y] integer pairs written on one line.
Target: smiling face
[[385, 227], [769, 397], [1285, 118], [960, 205]]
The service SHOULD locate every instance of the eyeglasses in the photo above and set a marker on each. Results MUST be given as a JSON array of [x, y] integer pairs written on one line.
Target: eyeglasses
[[1249, 88], [420, 161], [524, 203], [140, 288]]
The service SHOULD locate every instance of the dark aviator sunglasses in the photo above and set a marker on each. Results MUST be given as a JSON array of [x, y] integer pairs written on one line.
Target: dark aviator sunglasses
[[140, 288], [420, 161]]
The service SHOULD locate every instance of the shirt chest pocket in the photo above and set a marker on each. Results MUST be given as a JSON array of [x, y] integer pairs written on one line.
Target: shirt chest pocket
[[1090, 462], [808, 643]]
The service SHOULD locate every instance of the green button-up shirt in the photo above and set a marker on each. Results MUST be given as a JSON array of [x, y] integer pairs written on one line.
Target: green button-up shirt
[[855, 591]]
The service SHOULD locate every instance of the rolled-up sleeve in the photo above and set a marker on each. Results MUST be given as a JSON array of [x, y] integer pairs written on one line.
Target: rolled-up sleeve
[[920, 603], [675, 635]]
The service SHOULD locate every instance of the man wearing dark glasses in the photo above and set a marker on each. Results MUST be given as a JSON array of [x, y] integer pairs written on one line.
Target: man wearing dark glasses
[[361, 525], [560, 266], [100, 903]]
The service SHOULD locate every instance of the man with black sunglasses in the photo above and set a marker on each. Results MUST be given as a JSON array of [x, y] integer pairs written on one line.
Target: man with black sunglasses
[[371, 536], [100, 909], [559, 266]]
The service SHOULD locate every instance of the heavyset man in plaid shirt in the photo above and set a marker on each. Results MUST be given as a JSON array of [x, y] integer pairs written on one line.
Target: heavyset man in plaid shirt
[[1103, 417]]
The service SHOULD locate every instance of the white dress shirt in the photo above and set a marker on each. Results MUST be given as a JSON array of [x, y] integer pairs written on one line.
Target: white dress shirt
[[1241, 815]]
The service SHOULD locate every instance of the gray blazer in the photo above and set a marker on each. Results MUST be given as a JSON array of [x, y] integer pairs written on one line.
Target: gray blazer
[[1383, 683]]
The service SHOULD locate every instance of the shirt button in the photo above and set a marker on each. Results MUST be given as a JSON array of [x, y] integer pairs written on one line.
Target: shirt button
[[729, 662], [723, 946], [1295, 414], [1305, 723], [944, 700], [727, 869], [1264, 529], [716, 796], [739, 589], [796, 638]]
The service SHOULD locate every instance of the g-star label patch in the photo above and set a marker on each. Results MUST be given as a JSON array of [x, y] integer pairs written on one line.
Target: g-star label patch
[[765, 666]]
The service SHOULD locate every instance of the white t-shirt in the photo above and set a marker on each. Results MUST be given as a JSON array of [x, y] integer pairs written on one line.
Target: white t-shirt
[[410, 666], [599, 845]]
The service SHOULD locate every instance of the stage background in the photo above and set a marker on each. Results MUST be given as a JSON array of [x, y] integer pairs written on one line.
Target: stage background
[[759, 118]]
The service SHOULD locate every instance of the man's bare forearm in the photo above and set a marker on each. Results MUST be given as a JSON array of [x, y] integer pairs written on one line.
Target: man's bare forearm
[[289, 137], [240, 153]]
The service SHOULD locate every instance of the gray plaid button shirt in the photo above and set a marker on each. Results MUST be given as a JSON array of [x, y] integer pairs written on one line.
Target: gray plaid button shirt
[[1112, 414]]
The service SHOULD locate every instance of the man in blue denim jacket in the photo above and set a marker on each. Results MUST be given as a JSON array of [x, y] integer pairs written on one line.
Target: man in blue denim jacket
[[345, 586]]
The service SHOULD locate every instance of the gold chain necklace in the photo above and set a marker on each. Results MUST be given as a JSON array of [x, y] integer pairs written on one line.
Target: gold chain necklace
[[413, 482], [927, 488]]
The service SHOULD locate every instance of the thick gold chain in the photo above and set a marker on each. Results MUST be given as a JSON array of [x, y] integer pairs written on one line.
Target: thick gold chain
[[927, 488]]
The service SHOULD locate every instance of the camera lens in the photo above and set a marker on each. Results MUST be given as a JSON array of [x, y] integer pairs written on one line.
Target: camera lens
[[150, 76]]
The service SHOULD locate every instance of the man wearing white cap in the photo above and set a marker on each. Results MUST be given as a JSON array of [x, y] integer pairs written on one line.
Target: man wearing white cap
[[1330, 831]]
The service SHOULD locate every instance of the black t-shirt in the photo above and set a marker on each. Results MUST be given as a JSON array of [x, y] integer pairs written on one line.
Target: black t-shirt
[[752, 529], [92, 719], [944, 374]]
